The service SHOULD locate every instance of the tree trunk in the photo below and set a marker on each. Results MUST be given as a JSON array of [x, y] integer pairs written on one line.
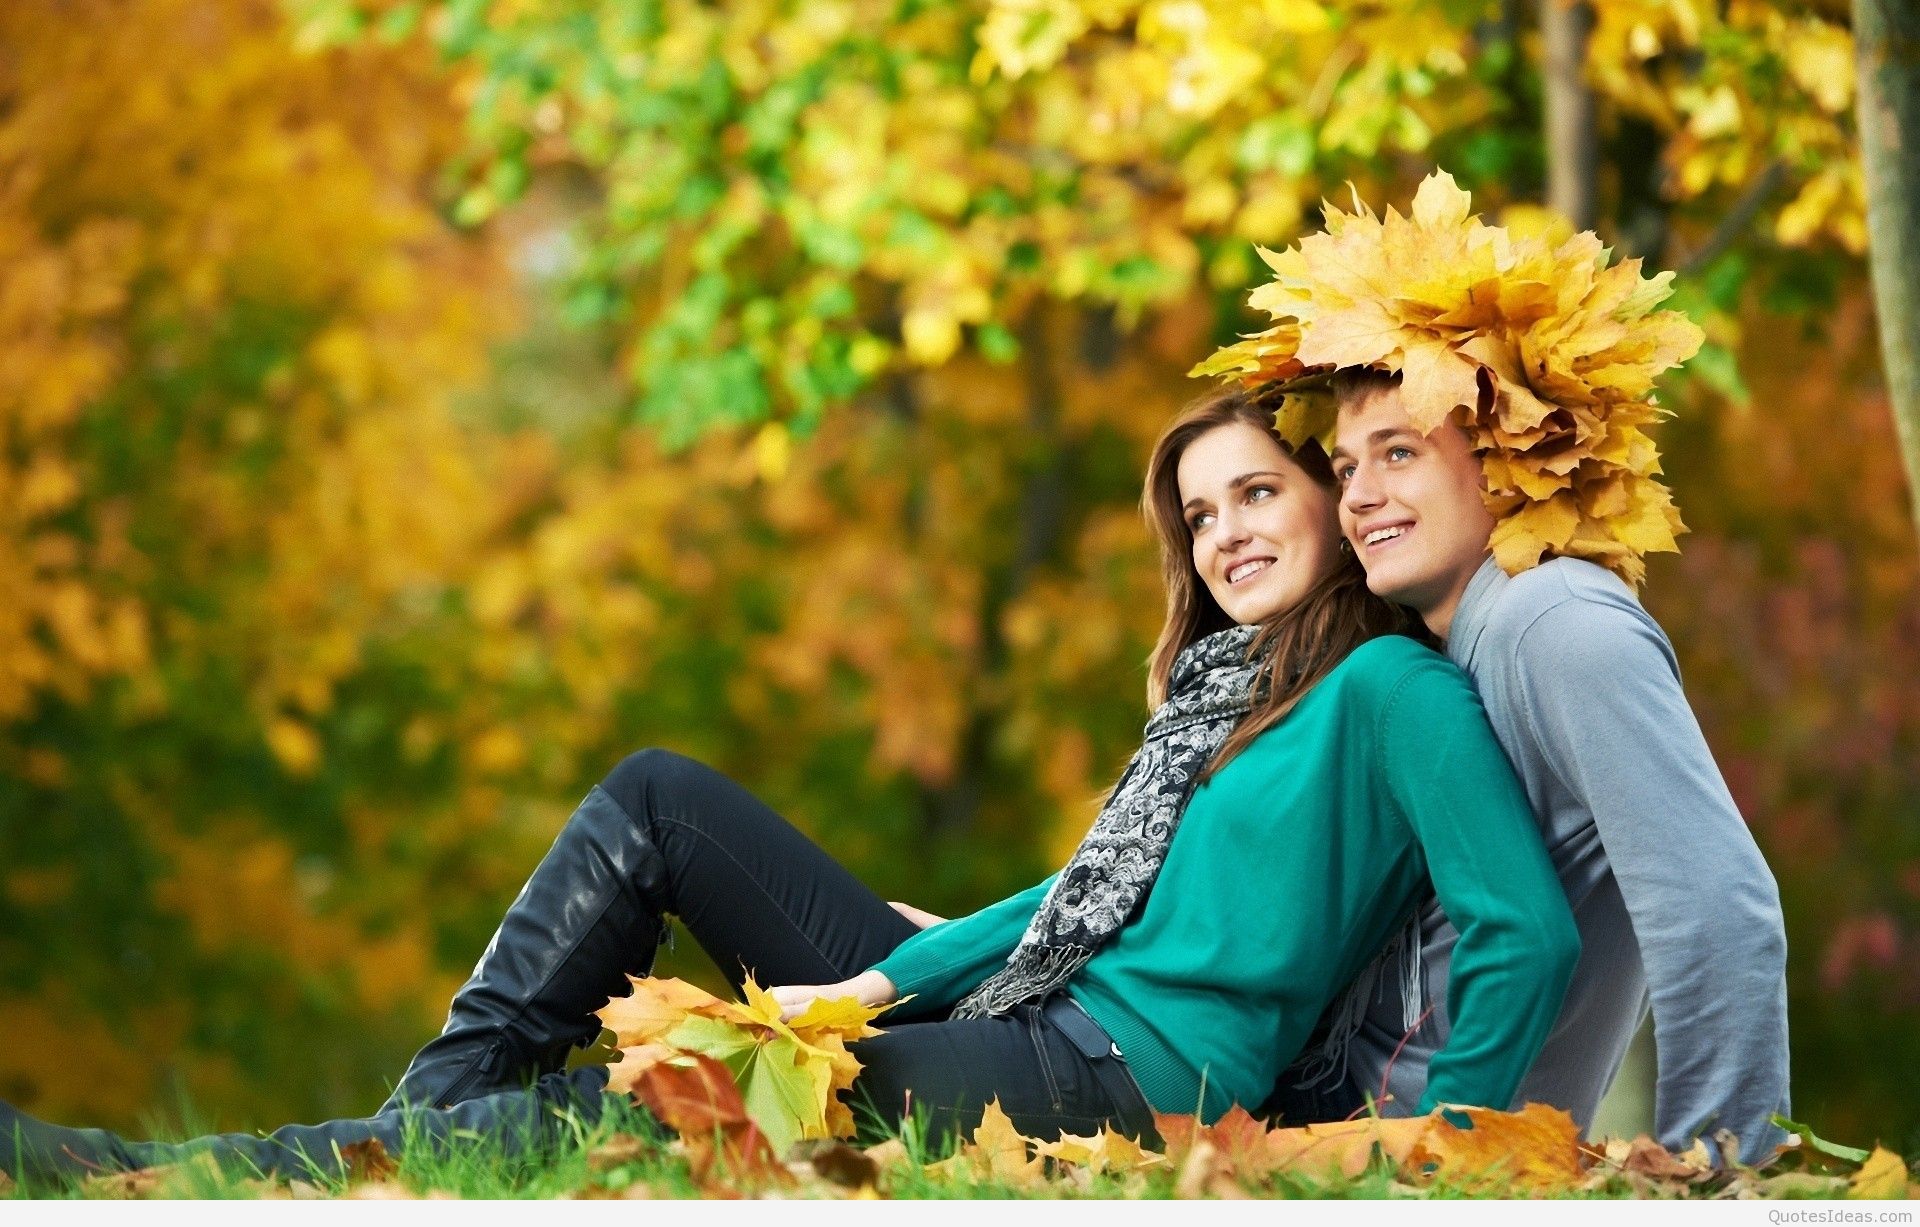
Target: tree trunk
[[1573, 143], [1887, 40], [1042, 505]]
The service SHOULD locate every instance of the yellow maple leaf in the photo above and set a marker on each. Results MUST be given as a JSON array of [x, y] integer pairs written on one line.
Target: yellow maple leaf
[[1106, 1151], [1536, 1148], [654, 1008], [1343, 1148], [996, 1152]]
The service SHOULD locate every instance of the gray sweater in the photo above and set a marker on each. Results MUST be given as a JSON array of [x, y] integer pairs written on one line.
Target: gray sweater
[[1672, 898]]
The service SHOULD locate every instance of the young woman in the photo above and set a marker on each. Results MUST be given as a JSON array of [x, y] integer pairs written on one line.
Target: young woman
[[1306, 772]]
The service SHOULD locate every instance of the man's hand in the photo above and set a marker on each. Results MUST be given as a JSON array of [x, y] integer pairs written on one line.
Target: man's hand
[[918, 917], [868, 988]]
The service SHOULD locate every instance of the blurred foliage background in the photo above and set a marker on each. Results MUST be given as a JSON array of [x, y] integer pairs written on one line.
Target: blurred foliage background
[[407, 409]]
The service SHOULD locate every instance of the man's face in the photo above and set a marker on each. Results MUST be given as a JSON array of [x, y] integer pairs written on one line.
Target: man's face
[[1410, 504]]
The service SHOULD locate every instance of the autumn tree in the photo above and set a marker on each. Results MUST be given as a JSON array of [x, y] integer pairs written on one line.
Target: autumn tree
[[1888, 36], [232, 497], [812, 449]]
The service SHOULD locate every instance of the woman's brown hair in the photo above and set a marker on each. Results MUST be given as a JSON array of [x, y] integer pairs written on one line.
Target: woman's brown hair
[[1336, 615]]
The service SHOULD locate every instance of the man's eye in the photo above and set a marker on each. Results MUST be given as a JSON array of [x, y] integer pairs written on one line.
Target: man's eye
[[1399, 453]]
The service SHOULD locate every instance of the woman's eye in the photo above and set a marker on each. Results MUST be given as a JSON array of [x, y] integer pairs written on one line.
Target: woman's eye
[[1197, 523], [1253, 490], [1399, 453]]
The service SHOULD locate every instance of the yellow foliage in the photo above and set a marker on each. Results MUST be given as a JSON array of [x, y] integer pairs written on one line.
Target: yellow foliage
[[1542, 352], [790, 1072]]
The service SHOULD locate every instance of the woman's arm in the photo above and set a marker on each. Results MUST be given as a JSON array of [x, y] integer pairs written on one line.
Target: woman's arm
[[941, 964], [1518, 945]]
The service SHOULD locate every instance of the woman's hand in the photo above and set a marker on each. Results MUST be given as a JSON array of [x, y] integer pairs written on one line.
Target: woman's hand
[[918, 917], [868, 988]]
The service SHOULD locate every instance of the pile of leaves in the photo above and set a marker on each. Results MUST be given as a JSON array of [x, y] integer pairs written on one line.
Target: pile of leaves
[[738, 1102], [1536, 1152], [755, 1101], [674, 1038]]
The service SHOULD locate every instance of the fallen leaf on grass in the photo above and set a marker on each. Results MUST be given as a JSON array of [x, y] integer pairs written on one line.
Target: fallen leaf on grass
[[368, 1160], [1645, 1157], [135, 1185], [393, 1190], [1536, 1148], [1105, 1152], [1343, 1148], [996, 1153], [619, 1150], [834, 1162], [1238, 1139], [1205, 1172], [1883, 1177]]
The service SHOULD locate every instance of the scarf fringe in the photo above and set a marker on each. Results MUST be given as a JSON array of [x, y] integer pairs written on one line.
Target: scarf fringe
[[1032, 980], [1330, 1061]]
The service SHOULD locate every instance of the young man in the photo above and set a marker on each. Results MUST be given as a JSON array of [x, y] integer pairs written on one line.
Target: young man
[[1672, 898], [1485, 396]]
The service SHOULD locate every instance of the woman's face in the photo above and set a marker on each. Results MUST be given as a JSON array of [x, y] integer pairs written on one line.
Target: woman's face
[[1263, 531]]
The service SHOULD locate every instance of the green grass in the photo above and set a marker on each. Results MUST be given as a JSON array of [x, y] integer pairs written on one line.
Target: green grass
[[628, 1154]]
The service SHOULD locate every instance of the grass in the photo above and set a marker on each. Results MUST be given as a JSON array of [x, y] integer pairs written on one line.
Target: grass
[[627, 1154]]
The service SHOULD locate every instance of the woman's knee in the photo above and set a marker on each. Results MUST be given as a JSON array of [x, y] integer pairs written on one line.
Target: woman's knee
[[644, 773]]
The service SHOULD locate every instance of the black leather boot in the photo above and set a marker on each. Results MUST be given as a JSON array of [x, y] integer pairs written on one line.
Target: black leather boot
[[520, 1122], [590, 914]]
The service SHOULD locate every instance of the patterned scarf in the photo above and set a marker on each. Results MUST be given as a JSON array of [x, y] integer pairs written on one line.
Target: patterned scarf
[[1210, 689]]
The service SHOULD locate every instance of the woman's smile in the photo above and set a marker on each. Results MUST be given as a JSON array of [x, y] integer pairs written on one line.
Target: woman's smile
[[1243, 571]]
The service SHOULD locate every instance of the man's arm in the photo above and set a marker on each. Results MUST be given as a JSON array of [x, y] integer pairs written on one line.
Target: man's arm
[[1599, 690]]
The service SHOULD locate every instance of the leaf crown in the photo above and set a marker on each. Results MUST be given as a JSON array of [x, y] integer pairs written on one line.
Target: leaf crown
[[1545, 354]]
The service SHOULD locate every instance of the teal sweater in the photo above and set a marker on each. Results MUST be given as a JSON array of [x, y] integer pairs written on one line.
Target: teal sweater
[[1290, 870]]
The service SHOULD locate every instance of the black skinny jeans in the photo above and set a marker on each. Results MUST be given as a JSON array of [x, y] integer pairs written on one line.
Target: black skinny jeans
[[763, 899]]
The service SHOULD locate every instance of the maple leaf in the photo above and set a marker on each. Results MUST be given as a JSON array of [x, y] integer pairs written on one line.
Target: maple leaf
[[1344, 1148], [653, 1008], [788, 1074], [695, 1096], [368, 1161], [1645, 1157], [995, 1152], [1105, 1151], [1536, 1148], [1237, 1141]]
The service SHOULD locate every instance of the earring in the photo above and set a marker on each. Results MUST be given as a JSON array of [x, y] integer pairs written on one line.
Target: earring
[[1346, 546]]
